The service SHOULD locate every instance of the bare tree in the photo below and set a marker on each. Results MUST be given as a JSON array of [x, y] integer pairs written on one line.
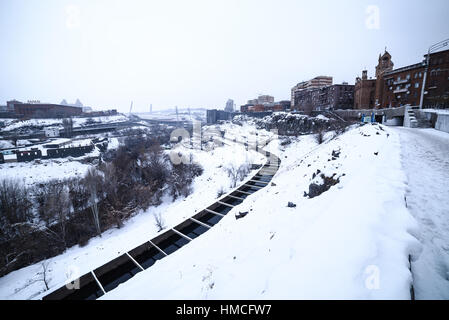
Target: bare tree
[[44, 277], [92, 180], [54, 208], [68, 126], [15, 207]]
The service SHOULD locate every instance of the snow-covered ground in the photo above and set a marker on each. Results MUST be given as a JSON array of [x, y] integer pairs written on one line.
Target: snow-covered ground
[[441, 111], [41, 171], [137, 230], [12, 124], [425, 157], [352, 241], [170, 115]]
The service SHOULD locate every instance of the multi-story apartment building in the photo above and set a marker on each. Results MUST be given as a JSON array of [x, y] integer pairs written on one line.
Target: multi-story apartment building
[[331, 97], [403, 86], [315, 83]]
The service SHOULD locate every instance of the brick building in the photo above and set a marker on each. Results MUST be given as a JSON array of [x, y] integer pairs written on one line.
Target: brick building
[[364, 92], [384, 66], [315, 83], [403, 86], [267, 107], [331, 97], [43, 110]]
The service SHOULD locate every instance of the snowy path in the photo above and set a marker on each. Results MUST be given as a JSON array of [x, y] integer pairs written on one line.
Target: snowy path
[[425, 158]]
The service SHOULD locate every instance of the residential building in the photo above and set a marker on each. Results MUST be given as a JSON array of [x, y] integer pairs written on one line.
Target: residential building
[[229, 105], [262, 99], [403, 86], [312, 84], [214, 115], [43, 110], [265, 99]]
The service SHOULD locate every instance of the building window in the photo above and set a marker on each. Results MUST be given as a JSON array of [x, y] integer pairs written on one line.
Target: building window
[[399, 78], [408, 77], [417, 85]]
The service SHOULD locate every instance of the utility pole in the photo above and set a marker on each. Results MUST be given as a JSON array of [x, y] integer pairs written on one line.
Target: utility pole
[[130, 108], [432, 49]]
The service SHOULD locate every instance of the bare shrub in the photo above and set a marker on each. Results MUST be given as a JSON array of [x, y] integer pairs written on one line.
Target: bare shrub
[[159, 221], [220, 192], [233, 174], [319, 137], [243, 170]]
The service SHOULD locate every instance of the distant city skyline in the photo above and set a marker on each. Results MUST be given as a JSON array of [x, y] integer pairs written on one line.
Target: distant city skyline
[[200, 53]]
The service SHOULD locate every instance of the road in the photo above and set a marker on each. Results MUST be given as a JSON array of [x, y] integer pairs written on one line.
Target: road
[[425, 160]]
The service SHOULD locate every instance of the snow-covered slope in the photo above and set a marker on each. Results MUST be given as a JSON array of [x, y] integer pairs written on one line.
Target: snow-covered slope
[[21, 284], [77, 122], [352, 241]]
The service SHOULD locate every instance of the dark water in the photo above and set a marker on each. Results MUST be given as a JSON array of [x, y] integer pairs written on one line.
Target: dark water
[[172, 243], [89, 290], [193, 230], [266, 178], [146, 255], [210, 219], [116, 271], [233, 201]]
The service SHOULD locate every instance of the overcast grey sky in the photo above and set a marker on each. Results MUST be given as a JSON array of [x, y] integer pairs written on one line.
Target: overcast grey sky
[[200, 53]]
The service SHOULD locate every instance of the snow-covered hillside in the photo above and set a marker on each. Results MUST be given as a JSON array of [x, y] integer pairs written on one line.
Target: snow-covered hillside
[[140, 228], [12, 124], [352, 241]]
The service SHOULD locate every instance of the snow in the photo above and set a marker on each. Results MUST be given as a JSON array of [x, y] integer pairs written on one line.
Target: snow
[[32, 173], [425, 157], [439, 111], [6, 144], [77, 122], [352, 242], [137, 230], [321, 117]]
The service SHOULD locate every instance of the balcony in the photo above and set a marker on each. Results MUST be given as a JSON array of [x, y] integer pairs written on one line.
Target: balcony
[[401, 81]]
